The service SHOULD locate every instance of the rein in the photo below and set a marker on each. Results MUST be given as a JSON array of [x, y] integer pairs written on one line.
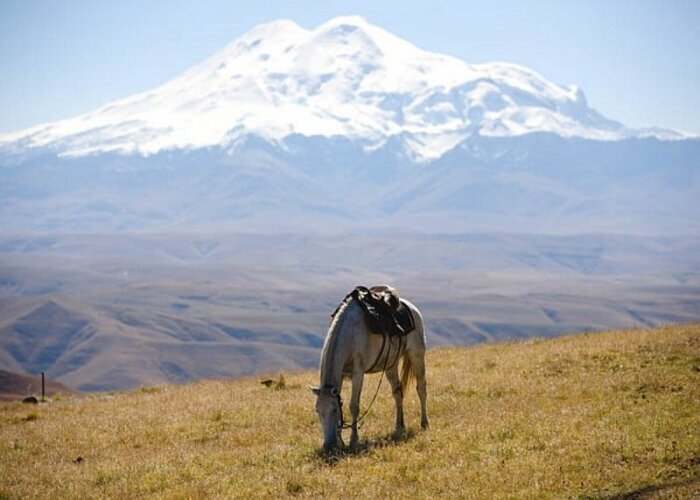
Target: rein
[[341, 420]]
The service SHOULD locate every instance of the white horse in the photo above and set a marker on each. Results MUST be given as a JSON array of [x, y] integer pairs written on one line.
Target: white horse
[[350, 351]]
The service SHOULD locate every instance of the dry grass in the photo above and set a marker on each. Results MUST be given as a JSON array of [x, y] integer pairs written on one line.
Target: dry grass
[[581, 416]]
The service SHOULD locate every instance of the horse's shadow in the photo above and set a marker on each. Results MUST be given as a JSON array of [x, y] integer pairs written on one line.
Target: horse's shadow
[[363, 447]]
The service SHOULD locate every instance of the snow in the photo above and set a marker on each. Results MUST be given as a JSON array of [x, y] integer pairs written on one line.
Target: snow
[[345, 78]]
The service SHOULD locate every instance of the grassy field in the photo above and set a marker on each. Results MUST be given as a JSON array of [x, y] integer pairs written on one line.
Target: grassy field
[[594, 415]]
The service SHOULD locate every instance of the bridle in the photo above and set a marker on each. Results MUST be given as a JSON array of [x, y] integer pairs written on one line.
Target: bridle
[[335, 391]]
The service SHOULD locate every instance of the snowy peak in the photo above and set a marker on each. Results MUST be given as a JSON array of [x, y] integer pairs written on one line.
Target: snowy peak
[[345, 78]]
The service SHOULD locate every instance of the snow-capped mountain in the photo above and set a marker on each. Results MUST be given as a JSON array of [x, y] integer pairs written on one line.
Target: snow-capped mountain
[[346, 78], [347, 127]]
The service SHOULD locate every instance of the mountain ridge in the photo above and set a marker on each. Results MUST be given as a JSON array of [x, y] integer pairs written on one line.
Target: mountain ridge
[[539, 183]]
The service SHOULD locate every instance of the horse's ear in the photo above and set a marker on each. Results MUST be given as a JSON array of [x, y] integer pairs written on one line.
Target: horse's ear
[[315, 390]]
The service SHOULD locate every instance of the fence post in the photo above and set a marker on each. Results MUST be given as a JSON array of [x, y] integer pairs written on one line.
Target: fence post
[[43, 386]]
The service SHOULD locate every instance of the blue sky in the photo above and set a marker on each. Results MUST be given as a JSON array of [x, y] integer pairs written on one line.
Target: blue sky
[[637, 61]]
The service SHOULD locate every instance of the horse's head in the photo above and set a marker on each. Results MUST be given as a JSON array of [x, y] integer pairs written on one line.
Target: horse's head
[[328, 409]]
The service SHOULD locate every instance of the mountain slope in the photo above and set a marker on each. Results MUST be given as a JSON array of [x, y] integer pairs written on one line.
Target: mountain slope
[[602, 415], [537, 183], [345, 78], [14, 386], [97, 346]]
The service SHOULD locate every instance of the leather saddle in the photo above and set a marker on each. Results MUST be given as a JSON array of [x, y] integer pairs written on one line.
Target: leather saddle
[[385, 312]]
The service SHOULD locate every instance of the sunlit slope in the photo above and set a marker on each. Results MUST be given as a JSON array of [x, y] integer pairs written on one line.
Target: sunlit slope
[[587, 415]]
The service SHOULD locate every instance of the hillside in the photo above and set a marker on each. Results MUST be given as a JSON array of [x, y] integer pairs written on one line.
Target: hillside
[[592, 415], [15, 386], [107, 312]]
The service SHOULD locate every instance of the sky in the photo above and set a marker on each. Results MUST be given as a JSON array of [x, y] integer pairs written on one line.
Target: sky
[[637, 61]]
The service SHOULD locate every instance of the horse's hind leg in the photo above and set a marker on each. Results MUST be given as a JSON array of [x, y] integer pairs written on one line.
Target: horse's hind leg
[[392, 375], [418, 361]]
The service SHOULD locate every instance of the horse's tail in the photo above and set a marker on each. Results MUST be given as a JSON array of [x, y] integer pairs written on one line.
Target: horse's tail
[[408, 373]]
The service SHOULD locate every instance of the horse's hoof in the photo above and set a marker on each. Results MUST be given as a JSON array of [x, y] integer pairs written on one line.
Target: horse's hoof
[[424, 425]]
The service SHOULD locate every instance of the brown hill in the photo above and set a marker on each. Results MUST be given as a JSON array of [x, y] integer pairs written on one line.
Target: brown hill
[[14, 386]]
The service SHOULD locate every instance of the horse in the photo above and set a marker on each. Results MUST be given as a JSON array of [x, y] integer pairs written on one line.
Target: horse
[[350, 350]]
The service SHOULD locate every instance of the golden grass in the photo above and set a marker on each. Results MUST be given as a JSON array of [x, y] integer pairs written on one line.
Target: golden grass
[[581, 416]]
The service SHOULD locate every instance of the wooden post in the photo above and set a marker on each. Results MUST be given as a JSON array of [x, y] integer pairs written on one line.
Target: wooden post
[[43, 386]]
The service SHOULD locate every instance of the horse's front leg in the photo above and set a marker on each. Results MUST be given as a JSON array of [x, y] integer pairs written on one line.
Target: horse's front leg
[[357, 379]]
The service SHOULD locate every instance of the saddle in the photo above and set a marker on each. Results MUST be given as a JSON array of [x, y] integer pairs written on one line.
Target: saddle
[[385, 312]]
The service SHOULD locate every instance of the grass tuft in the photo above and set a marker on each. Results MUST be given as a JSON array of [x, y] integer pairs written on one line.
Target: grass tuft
[[31, 417], [294, 487]]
